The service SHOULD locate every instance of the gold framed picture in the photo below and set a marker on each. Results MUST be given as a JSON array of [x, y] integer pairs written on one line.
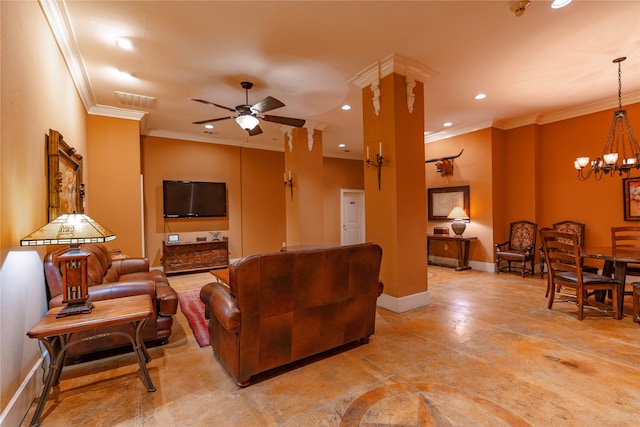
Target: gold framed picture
[[65, 187], [631, 192], [443, 199]]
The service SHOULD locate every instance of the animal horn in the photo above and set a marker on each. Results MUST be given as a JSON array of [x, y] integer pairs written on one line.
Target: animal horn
[[445, 158]]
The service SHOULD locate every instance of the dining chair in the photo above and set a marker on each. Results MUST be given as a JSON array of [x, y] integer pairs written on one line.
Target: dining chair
[[626, 239], [562, 254], [566, 227], [636, 302], [519, 248]]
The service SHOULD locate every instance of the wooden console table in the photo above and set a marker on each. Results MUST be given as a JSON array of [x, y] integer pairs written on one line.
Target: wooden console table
[[55, 334], [462, 248], [192, 257]]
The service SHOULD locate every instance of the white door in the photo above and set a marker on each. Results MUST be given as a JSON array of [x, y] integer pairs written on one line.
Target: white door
[[352, 223]]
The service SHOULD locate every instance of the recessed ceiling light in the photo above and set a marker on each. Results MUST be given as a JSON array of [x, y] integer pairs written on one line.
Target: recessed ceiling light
[[209, 126], [124, 43], [481, 96], [342, 145], [557, 4], [346, 107], [447, 124]]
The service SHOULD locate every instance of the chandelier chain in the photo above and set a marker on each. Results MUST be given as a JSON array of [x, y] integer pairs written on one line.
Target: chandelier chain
[[619, 85]]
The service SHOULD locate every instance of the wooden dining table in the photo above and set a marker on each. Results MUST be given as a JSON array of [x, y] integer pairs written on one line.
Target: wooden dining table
[[615, 264]]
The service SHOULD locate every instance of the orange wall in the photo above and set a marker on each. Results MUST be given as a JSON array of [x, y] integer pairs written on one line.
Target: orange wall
[[263, 201], [473, 168], [113, 193], [304, 212], [527, 173], [37, 94], [338, 174], [598, 204], [172, 159], [255, 193]]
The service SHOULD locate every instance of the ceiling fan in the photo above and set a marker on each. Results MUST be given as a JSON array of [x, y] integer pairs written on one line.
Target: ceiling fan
[[247, 115]]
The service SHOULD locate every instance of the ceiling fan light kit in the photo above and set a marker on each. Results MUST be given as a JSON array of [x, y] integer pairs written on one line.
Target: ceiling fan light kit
[[247, 121], [247, 116]]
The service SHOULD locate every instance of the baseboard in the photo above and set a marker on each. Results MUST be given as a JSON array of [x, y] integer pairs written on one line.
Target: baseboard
[[21, 401], [403, 304], [453, 262]]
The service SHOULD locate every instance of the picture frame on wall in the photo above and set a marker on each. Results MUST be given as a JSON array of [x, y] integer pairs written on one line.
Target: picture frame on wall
[[65, 187], [443, 199], [631, 195]]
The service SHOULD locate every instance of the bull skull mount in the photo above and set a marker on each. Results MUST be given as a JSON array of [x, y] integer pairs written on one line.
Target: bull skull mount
[[444, 165]]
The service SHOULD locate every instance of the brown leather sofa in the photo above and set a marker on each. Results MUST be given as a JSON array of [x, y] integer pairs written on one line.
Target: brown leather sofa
[[108, 279], [282, 307]]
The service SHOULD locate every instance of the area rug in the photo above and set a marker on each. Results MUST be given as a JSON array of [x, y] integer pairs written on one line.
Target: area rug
[[193, 310]]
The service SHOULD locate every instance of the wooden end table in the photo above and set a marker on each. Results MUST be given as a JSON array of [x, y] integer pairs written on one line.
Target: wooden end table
[[462, 248], [55, 334], [222, 275]]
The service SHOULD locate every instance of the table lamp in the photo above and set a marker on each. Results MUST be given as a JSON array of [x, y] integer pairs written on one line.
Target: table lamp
[[71, 229], [458, 215]]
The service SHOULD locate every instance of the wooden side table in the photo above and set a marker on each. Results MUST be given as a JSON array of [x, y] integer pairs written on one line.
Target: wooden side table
[[462, 248], [55, 334]]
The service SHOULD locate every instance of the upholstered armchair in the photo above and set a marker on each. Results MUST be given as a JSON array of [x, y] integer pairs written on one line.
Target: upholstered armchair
[[519, 248]]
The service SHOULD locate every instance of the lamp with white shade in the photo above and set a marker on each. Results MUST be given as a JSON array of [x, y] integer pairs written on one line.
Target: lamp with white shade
[[459, 216]]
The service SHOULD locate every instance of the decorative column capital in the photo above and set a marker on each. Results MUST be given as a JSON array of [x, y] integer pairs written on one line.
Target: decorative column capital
[[311, 127], [411, 69]]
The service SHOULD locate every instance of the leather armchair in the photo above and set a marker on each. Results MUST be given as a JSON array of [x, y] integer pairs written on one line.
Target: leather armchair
[[108, 279]]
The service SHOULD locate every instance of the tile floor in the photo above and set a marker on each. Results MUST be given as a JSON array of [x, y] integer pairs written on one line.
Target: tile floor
[[486, 352]]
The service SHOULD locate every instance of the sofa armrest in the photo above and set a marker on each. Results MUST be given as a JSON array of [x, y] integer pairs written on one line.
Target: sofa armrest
[[130, 265], [108, 291], [167, 300], [380, 287], [222, 304]]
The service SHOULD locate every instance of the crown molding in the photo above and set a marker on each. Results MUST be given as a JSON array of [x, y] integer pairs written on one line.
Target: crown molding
[[59, 22]]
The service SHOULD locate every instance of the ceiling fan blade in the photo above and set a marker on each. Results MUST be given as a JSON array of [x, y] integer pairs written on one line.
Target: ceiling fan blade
[[201, 122], [255, 131], [267, 104], [215, 105], [284, 120]]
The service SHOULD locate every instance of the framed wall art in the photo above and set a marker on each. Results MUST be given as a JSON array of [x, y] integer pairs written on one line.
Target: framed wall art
[[631, 194], [442, 200], [65, 187]]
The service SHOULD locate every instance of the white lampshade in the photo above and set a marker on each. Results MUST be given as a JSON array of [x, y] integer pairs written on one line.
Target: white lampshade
[[458, 213], [247, 121], [610, 158], [582, 161]]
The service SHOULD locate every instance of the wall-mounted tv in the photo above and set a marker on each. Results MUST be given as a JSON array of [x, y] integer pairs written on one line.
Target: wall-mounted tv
[[194, 199]]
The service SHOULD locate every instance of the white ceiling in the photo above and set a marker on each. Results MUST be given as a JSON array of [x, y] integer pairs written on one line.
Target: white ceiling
[[542, 66]]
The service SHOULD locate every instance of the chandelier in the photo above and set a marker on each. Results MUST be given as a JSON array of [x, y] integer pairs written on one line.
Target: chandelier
[[621, 152]]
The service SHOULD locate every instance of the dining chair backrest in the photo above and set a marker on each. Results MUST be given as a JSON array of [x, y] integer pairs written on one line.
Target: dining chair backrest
[[562, 253], [571, 227], [625, 239]]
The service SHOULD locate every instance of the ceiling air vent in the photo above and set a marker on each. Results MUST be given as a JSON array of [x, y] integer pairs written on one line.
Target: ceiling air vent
[[132, 99]]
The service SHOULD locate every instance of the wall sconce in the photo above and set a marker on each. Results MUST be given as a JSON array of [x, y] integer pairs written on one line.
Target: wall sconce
[[289, 182], [377, 163]]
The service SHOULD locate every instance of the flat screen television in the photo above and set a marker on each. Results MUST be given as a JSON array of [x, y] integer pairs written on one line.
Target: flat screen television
[[188, 199]]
